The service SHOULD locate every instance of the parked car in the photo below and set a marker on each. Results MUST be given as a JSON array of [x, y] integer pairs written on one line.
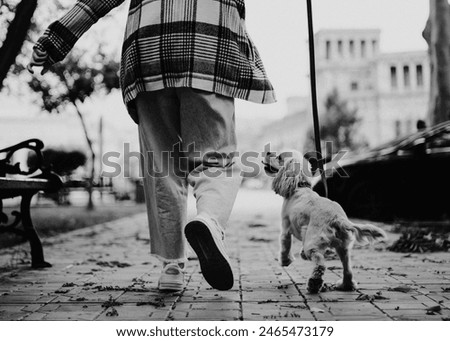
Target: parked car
[[406, 179]]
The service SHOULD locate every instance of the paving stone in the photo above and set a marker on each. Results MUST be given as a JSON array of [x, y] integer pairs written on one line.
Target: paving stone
[[213, 295], [273, 295], [175, 316], [69, 316], [362, 318], [408, 312], [366, 310], [407, 305], [26, 298], [213, 315], [12, 312], [437, 298], [215, 306], [340, 296], [131, 312], [152, 296], [419, 317], [35, 317], [425, 300], [324, 316], [276, 311]]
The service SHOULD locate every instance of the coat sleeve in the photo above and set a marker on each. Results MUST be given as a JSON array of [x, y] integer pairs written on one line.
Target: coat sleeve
[[61, 35]]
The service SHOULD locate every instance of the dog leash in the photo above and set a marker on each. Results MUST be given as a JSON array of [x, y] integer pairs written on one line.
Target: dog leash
[[315, 111]]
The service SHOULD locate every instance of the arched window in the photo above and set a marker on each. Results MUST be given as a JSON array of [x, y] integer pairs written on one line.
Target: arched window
[[406, 76], [340, 48], [328, 49], [419, 75], [374, 46], [394, 77]]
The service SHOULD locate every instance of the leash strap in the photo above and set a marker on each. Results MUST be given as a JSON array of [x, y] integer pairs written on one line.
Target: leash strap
[[315, 110]]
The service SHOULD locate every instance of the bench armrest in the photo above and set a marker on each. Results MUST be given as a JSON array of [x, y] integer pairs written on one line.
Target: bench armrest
[[5, 164]]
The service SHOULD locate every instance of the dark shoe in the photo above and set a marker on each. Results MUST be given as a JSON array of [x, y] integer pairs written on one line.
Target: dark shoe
[[206, 239]]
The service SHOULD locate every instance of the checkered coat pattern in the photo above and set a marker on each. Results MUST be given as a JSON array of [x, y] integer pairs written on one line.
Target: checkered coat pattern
[[202, 44]]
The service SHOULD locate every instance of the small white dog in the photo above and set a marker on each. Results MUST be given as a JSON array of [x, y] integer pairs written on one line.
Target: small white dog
[[319, 222]]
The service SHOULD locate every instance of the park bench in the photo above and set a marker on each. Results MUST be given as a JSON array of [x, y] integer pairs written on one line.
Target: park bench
[[36, 179]]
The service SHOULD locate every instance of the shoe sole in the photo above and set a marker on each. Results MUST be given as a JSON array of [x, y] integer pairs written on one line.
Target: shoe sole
[[170, 287], [215, 267], [170, 283]]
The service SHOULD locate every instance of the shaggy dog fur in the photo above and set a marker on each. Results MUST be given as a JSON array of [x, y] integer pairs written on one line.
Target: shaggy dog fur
[[319, 222]]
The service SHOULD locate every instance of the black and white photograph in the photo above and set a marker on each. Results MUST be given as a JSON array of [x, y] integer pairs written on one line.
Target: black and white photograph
[[280, 162]]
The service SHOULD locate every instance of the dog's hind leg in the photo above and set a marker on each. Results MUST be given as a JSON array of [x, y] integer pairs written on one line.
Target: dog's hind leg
[[315, 282], [346, 283], [286, 257]]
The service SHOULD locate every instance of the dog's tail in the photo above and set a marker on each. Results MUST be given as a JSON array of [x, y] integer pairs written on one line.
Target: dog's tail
[[364, 233], [368, 233]]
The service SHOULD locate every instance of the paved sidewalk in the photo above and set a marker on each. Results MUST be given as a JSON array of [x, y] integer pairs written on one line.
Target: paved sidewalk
[[105, 272]]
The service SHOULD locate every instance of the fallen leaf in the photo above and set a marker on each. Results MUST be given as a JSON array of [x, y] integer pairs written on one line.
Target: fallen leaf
[[117, 288], [113, 264], [433, 261], [401, 288], [317, 310], [326, 287], [334, 268], [329, 300], [112, 312], [294, 306], [283, 286], [434, 309], [111, 303], [398, 274], [157, 304], [363, 297], [371, 298], [61, 291], [267, 301]]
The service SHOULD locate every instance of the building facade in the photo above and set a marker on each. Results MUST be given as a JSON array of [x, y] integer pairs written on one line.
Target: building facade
[[389, 90]]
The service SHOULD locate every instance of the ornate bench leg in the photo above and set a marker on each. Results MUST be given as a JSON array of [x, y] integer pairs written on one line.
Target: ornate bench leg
[[37, 254]]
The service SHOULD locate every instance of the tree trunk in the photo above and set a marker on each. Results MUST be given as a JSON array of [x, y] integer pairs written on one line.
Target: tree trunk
[[17, 33], [90, 186], [437, 35]]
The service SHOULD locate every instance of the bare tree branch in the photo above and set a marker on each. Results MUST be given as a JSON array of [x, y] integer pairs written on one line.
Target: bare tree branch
[[17, 32]]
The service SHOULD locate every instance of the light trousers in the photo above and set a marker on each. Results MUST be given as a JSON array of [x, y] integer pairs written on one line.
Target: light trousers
[[187, 137]]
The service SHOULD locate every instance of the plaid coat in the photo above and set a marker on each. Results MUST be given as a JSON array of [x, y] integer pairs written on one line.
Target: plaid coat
[[201, 44]]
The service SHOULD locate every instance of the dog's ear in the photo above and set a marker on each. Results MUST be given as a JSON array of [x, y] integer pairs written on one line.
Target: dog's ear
[[271, 163], [288, 179]]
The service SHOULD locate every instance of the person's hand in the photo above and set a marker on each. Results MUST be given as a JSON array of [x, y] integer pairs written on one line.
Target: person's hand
[[39, 58]]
